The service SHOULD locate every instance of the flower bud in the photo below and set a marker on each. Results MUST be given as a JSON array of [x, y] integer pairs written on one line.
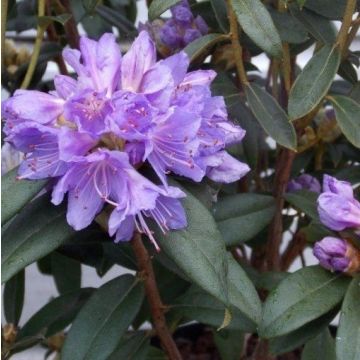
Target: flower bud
[[337, 207], [337, 254], [331, 253]]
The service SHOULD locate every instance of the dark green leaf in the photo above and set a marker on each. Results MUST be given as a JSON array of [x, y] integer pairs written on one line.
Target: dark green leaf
[[321, 29], [271, 116], [89, 5], [321, 347], [115, 18], [348, 334], [103, 320], [229, 343], [197, 305], [158, 7], [37, 231], [240, 217], [202, 45], [355, 92], [132, 346], [333, 9], [347, 113], [305, 201], [56, 315], [66, 272], [219, 7], [16, 193], [348, 72], [47, 20], [258, 25], [296, 338], [242, 293], [198, 250], [156, 354], [302, 297], [240, 114], [314, 81], [13, 297], [290, 30]]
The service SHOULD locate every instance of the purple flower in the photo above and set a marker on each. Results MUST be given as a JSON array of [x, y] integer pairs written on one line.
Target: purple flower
[[306, 182], [337, 207], [93, 134], [332, 253], [180, 30]]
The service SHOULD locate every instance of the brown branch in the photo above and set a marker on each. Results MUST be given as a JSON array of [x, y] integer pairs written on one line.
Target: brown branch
[[70, 27], [153, 297], [53, 36], [293, 250], [282, 175], [346, 23]]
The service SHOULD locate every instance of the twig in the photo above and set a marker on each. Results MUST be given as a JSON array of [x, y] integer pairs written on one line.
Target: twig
[[294, 249], [37, 46], [346, 23], [53, 36], [70, 27], [354, 29], [237, 48], [282, 175], [4, 10], [153, 296]]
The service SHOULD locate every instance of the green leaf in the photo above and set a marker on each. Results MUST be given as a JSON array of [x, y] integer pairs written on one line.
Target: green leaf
[[290, 30], [271, 116], [347, 113], [132, 346], [16, 193], [197, 305], [13, 297], [89, 5], [305, 201], [256, 21], [348, 334], [56, 315], [229, 343], [302, 297], [37, 231], [103, 320], [314, 81], [298, 337], [219, 8], [321, 347], [321, 29], [348, 72], [202, 45], [115, 18], [198, 250], [66, 272], [240, 217], [333, 9], [240, 114], [242, 293], [158, 7], [62, 19], [156, 354]]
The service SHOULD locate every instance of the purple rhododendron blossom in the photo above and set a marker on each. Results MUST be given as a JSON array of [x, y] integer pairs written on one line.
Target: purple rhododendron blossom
[[331, 253], [304, 182], [337, 207], [92, 134]]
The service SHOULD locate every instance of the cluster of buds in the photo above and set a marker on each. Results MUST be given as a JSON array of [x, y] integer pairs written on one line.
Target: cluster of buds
[[175, 33], [338, 210], [304, 182]]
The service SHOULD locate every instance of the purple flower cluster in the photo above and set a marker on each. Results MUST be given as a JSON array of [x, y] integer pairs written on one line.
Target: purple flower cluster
[[338, 210], [180, 30], [92, 134], [304, 182]]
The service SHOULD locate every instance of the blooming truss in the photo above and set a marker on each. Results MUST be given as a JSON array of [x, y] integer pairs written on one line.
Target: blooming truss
[[93, 134]]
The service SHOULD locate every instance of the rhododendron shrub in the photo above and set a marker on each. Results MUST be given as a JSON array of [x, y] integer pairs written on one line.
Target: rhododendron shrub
[[209, 191]]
